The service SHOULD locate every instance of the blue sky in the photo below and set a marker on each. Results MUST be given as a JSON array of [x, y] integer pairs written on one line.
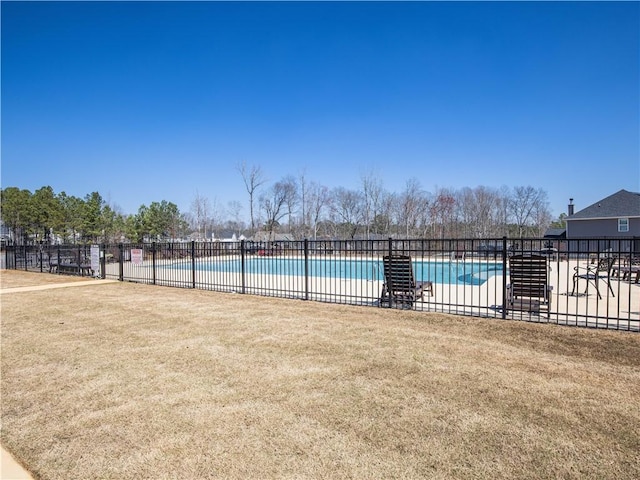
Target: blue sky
[[152, 101]]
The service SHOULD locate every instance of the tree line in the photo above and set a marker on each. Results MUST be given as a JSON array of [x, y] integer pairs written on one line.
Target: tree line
[[46, 216], [292, 205]]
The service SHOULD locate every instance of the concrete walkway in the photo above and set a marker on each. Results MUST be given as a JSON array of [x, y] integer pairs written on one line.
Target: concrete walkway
[[34, 288], [10, 469]]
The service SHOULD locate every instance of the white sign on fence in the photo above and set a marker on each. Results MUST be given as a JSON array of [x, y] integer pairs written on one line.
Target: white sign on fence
[[95, 258], [136, 256]]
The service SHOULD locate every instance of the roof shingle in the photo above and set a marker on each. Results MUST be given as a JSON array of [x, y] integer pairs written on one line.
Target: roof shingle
[[620, 204]]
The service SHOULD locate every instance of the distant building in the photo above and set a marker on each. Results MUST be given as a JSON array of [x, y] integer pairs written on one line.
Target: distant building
[[5, 234], [556, 233], [615, 220], [264, 236], [228, 236], [617, 216]]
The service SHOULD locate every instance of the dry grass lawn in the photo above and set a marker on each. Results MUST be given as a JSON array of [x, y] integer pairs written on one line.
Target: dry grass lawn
[[17, 278], [128, 381]]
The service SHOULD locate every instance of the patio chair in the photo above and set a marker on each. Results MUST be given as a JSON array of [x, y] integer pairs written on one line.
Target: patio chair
[[594, 273], [529, 289], [626, 268], [400, 286]]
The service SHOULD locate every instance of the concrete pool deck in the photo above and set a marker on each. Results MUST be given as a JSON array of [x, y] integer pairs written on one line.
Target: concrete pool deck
[[10, 469]]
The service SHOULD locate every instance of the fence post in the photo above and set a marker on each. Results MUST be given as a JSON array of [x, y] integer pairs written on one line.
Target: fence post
[[193, 264], [306, 269], [121, 263], [103, 261], [11, 263], [504, 278], [242, 267], [390, 252], [154, 248], [40, 259]]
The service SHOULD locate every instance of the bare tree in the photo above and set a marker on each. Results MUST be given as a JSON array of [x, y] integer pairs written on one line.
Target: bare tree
[[305, 220], [318, 199], [479, 211], [543, 218], [502, 220], [372, 193], [215, 217], [253, 179], [313, 200], [235, 223], [290, 187], [443, 213], [275, 203], [409, 205], [347, 207], [526, 205], [382, 221], [200, 214]]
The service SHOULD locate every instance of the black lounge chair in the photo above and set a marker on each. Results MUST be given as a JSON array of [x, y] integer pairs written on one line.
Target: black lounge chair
[[400, 286], [529, 289]]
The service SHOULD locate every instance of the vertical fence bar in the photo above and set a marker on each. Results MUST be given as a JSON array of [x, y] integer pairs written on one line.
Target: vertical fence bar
[[121, 263], [154, 250], [103, 261], [504, 277], [193, 264], [242, 267], [306, 269], [389, 252]]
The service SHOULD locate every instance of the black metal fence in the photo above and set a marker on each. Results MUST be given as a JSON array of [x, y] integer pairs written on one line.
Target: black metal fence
[[469, 277]]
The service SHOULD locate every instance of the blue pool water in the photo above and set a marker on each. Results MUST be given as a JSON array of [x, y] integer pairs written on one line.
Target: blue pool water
[[335, 267]]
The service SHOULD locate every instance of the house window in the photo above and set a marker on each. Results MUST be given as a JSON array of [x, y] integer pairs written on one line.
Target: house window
[[623, 225]]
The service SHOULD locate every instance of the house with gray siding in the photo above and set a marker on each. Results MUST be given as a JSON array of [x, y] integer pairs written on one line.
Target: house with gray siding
[[616, 217]]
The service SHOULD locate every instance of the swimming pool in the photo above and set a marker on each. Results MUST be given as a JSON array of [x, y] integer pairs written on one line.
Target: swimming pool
[[442, 272]]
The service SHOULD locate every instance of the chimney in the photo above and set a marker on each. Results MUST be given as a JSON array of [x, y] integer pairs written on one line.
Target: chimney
[[570, 206]]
